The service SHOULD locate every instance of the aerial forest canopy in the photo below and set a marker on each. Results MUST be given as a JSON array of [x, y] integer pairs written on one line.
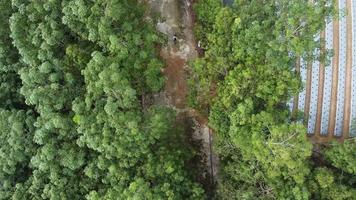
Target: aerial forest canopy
[[244, 82], [73, 125]]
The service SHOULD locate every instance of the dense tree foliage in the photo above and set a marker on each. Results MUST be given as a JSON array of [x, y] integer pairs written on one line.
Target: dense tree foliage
[[343, 156], [73, 74], [251, 51], [16, 150], [72, 122], [9, 63]]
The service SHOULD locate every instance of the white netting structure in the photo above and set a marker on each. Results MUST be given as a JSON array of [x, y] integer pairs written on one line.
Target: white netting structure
[[342, 66], [328, 82], [353, 90], [328, 76], [303, 74], [313, 97]]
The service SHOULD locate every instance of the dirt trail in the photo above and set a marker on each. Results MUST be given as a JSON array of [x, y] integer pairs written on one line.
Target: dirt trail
[[348, 76], [308, 93], [177, 23]]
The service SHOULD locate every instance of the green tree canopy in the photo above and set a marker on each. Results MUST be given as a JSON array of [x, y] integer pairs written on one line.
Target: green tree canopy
[[251, 51], [78, 70]]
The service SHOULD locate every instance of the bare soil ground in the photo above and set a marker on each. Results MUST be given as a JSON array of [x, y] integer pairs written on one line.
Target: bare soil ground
[[177, 24], [176, 85], [307, 93]]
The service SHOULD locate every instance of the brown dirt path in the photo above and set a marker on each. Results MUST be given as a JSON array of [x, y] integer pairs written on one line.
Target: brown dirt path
[[308, 93], [348, 76], [176, 86], [177, 24], [320, 92], [335, 76]]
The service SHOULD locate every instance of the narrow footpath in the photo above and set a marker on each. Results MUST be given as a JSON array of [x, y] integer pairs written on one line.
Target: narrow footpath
[[177, 24]]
